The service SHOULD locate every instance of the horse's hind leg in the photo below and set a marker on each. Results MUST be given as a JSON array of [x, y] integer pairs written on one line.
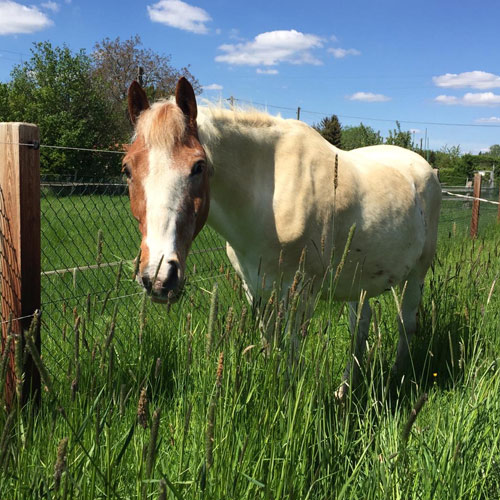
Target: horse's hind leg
[[407, 322], [359, 327]]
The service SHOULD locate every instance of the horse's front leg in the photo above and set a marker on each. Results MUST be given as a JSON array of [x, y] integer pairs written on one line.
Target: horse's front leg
[[359, 325]]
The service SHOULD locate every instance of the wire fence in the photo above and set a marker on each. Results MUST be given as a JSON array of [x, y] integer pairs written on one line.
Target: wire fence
[[456, 210], [89, 240]]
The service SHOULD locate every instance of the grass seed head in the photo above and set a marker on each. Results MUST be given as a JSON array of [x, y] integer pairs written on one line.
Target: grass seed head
[[150, 459], [60, 466], [142, 409], [220, 369]]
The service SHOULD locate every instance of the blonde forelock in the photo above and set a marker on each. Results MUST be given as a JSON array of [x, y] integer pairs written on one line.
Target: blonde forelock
[[162, 125]]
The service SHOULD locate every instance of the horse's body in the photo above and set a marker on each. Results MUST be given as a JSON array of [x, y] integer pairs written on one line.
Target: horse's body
[[275, 192]]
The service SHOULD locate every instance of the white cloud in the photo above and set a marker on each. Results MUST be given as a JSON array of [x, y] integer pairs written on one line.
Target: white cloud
[[234, 34], [470, 99], [213, 86], [261, 71], [272, 48], [53, 6], [339, 53], [17, 18], [368, 97], [475, 79], [447, 99], [180, 15], [415, 131], [491, 119]]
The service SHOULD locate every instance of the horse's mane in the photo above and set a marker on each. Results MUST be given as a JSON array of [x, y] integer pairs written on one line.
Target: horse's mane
[[238, 116], [163, 124]]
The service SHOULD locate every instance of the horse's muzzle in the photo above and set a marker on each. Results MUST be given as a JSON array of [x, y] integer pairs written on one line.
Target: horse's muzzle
[[164, 289]]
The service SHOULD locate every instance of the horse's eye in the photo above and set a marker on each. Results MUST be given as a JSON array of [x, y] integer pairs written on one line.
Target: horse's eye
[[127, 171], [197, 168]]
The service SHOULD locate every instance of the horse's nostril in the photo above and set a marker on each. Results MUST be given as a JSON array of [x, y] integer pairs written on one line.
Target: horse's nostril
[[173, 270], [172, 278]]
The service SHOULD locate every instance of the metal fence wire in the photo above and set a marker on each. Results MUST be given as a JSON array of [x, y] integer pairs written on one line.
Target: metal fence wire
[[89, 240], [455, 216]]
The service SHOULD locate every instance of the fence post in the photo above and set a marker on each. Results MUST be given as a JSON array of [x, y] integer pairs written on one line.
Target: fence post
[[498, 215], [474, 222], [20, 245]]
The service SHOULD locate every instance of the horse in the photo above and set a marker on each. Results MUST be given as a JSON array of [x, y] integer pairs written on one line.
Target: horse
[[272, 187]]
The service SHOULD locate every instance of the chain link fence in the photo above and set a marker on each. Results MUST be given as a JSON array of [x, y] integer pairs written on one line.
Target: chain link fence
[[89, 240]]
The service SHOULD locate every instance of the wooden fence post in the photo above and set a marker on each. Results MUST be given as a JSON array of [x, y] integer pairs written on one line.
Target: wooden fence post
[[20, 245], [474, 222]]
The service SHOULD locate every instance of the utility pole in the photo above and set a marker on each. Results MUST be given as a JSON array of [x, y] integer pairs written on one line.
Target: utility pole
[[140, 75], [298, 113]]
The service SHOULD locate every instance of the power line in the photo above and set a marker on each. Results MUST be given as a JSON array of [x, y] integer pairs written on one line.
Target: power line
[[387, 120]]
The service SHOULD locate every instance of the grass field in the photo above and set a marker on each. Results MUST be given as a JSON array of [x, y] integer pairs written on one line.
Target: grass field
[[240, 425]]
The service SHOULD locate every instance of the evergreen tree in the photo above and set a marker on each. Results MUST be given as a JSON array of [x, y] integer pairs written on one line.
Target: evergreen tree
[[329, 127]]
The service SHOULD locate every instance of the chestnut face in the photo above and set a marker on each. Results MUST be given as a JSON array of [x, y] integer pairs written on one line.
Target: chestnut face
[[168, 186]]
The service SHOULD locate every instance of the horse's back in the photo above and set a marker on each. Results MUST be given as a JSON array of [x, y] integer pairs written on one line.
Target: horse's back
[[402, 186], [397, 162]]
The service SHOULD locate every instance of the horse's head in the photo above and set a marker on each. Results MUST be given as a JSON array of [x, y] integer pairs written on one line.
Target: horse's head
[[168, 185]]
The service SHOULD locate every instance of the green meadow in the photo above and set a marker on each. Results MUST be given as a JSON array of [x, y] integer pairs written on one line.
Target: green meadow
[[144, 401]]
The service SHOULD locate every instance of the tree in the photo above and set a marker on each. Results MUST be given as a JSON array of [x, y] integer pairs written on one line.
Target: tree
[[116, 63], [398, 137], [55, 90], [360, 136], [4, 103], [331, 130], [495, 150], [448, 163]]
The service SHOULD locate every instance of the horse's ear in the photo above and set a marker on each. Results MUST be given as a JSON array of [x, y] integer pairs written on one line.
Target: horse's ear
[[186, 100], [137, 101]]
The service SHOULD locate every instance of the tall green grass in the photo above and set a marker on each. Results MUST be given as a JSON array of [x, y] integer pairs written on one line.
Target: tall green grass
[[140, 402]]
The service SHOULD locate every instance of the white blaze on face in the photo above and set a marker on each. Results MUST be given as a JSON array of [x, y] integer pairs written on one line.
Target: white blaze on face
[[164, 187]]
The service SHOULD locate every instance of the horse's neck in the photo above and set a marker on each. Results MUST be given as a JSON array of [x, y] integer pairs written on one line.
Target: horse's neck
[[241, 188]]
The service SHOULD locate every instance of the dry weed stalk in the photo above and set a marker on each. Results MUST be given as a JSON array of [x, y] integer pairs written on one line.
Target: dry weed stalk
[[212, 318], [137, 263], [413, 416], [346, 252], [4, 440], [209, 442], [142, 317], [19, 365], [6, 355]]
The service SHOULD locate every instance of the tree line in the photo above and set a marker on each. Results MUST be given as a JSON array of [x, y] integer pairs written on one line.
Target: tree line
[[79, 100], [454, 167]]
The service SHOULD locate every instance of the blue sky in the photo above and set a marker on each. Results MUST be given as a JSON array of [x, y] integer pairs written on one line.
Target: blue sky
[[424, 63]]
